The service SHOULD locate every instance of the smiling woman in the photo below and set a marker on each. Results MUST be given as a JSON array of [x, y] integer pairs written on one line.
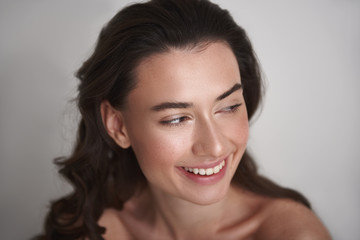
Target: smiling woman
[[166, 100], [199, 122]]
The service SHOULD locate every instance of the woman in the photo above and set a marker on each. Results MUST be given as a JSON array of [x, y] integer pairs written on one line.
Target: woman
[[165, 101]]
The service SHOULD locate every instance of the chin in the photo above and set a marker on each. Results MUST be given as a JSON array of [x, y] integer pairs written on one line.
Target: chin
[[208, 197]]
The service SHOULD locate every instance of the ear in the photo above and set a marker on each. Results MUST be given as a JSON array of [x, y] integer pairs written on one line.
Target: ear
[[114, 124]]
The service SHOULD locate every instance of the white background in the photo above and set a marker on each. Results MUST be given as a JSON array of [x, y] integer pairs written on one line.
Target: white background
[[307, 136]]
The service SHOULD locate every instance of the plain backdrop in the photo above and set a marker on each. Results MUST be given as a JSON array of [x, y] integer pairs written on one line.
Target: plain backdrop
[[307, 136]]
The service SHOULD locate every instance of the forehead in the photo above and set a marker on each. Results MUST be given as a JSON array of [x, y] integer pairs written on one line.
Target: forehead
[[179, 74]]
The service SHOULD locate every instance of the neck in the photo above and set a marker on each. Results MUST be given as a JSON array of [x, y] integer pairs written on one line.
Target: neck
[[181, 218]]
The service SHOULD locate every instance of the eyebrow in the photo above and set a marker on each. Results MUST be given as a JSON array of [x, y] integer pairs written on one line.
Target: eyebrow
[[169, 105], [234, 88]]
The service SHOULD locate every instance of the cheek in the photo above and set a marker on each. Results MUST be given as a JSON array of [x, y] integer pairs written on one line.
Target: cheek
[[156, 150], [237, 131], [243, 132], [239, 138]]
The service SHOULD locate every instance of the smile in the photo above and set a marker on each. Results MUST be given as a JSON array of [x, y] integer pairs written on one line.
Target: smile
[[207, 171]]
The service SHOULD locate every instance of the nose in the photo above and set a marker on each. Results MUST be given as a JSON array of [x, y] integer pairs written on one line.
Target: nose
[[209, 139]]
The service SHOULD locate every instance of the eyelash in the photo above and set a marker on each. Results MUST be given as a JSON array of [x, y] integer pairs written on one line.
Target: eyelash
[[231, 109], [175, 121], [181, 120]]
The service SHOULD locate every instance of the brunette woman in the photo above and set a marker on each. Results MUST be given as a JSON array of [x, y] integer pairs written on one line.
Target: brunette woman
[[166, 100]]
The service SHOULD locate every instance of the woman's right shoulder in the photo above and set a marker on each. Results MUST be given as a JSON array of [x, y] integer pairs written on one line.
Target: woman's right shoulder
[[115, 227]]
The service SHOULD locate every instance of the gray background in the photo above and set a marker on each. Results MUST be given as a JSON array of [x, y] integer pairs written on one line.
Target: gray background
[[307, 136]]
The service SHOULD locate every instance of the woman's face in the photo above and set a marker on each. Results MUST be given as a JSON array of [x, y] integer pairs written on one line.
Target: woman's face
[[188, 113]]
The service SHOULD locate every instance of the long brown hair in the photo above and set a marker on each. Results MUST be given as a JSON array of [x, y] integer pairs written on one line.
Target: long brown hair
[[102, 174]]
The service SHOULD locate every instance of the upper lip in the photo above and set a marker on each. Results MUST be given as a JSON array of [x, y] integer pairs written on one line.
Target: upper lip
[[209, 165]]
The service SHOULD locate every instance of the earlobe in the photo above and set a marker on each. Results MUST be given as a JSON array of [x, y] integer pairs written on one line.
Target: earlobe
[[114, 124]]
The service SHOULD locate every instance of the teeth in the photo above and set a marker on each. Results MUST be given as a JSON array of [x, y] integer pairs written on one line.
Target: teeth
[[208, 171]]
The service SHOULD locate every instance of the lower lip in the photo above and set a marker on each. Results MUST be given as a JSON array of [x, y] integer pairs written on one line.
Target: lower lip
[[205, 179]]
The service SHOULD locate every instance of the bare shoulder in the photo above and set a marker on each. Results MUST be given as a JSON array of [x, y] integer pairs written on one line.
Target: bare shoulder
[[287, 219], [115, 229]]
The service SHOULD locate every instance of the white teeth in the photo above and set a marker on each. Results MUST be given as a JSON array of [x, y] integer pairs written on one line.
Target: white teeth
[[208, 171]]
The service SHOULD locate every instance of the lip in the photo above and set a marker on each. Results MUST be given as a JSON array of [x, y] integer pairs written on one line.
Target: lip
[[205, 179], [211, 165]]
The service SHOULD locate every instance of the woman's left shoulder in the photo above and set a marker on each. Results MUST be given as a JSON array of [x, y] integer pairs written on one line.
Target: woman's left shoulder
[[287, 219]]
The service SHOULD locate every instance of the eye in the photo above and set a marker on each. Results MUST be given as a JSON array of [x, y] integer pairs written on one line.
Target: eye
[[175, 121], [232, 108]]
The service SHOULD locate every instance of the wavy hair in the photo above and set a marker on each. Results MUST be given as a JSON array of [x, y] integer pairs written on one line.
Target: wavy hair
[[102, 174]]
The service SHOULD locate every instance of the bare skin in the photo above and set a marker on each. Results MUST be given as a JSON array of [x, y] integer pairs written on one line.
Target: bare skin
[[188, 111], [246, 216]]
